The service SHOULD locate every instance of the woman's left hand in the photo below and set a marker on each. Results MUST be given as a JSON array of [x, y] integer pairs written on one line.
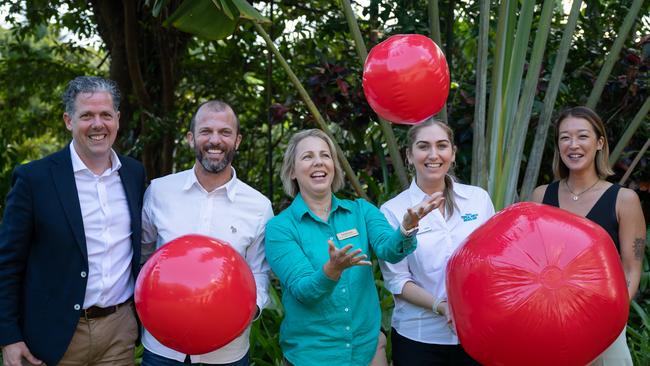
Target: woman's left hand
[[444, 309], [414, 214]]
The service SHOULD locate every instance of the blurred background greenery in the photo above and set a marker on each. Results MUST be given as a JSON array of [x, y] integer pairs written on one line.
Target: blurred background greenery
[[594, 52]]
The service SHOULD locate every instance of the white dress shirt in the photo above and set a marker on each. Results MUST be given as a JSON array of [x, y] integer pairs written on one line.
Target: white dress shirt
[[107, 227], [426, 267], [177, 205]]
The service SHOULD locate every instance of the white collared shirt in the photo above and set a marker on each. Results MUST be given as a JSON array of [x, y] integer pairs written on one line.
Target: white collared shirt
[[107, 227], [426, 267], [177, 205]]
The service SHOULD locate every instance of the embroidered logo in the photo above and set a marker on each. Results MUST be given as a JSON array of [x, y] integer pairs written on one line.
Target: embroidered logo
[[469, 217]]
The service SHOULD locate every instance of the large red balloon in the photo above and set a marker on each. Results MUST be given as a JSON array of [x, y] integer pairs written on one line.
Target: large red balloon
[[537, 285], [406, 79], [195, 294]]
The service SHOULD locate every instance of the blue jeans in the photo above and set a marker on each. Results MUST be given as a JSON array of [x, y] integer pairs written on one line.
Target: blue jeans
[[151, 359]]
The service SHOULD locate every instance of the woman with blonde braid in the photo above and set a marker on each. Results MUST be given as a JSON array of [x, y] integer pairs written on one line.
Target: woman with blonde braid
[[422, 332]]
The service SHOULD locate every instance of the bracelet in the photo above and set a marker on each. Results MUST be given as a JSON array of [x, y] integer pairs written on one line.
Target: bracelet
[[436, 304]]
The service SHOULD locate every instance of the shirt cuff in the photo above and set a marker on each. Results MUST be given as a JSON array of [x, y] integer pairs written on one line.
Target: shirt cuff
[[409, 243], [322, 281]]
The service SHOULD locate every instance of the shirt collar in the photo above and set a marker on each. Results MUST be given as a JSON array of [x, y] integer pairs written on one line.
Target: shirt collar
[[230, 186], [78, 164], [299, 207], [417, 195]]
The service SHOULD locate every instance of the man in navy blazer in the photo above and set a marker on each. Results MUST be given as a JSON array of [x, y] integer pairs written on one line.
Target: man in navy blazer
[[70, 243]]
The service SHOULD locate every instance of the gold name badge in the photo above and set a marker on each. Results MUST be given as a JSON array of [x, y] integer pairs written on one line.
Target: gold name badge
[[347, 234]]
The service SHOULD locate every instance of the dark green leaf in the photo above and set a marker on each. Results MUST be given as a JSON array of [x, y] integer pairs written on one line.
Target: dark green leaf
[[247, 11], [203, 19]]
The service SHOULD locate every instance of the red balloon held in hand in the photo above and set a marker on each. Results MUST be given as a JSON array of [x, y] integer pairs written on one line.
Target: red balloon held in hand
[[537, 285], [406, 79], [195, 294]]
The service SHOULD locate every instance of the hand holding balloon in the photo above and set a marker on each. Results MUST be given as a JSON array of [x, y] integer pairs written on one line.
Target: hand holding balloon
[[195, 294]]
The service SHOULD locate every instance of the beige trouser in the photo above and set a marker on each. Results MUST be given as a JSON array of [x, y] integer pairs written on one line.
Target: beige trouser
[[108, 340], [617, 354]]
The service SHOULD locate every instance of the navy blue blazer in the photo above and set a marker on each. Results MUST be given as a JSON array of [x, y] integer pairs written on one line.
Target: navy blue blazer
[[43, 252]]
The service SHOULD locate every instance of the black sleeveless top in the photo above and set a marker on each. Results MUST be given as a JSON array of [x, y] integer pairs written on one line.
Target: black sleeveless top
[[603, 213]]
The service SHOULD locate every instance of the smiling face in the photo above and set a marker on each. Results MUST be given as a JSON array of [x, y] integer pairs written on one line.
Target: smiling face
[[432, 154], [94, 125], [215, 139], [314, 167], [578, 144]]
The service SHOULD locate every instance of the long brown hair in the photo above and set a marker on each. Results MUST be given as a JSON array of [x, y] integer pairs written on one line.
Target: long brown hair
[[560, 170], [448, 192]]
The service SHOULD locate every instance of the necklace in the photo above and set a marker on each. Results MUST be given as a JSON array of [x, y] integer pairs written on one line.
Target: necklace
[[575, 196]]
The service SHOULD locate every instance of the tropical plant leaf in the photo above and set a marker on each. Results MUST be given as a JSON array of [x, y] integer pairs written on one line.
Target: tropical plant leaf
[[642, 314], [612, 56], [225, 7], [537, 151], [247, 11], [203, 19]]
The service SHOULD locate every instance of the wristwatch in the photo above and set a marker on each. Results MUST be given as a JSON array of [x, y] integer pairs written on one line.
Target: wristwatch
[[410, 232]]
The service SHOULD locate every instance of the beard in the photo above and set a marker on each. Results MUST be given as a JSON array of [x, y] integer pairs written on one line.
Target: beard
[[210, 165]]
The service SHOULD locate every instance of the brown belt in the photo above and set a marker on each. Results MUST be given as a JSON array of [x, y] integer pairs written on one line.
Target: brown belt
[[94, 312]]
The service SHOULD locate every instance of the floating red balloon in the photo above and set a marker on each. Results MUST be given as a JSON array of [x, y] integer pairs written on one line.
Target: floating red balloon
[[406, 79], [537, 285], [195, 294]]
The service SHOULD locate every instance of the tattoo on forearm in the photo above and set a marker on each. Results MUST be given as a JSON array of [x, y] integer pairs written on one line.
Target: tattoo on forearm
[[639, 248], [628, 283]]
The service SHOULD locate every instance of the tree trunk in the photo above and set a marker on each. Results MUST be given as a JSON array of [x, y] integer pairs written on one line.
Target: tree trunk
[[144, 63]]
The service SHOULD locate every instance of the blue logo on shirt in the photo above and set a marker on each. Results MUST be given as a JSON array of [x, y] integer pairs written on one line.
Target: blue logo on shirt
[[469, 217]]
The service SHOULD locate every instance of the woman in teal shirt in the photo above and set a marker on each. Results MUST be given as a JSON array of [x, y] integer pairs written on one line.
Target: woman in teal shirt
[[319, 248]]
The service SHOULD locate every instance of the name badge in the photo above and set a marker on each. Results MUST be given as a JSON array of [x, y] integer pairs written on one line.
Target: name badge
[[347, 234]]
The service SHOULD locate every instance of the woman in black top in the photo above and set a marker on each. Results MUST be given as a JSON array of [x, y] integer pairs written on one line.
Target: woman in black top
[[580, 166]]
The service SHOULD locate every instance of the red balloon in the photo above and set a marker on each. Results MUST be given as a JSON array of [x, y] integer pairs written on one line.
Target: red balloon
[[406, 79], [537, 285], [195, 294]]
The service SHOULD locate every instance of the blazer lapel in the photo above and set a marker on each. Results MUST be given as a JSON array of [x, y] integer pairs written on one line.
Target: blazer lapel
[[63, 178]]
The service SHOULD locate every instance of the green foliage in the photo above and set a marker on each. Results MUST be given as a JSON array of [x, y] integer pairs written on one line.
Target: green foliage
[[315, 39], [34, 71], [638, 326]]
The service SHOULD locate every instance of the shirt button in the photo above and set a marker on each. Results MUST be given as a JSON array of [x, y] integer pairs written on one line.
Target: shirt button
[[77, 307], [343, 290], [346, 310], [347, 328], [347, 345], [83, 274]]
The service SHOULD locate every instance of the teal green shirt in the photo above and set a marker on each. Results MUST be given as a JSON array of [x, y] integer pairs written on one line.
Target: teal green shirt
[[330, 322]]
